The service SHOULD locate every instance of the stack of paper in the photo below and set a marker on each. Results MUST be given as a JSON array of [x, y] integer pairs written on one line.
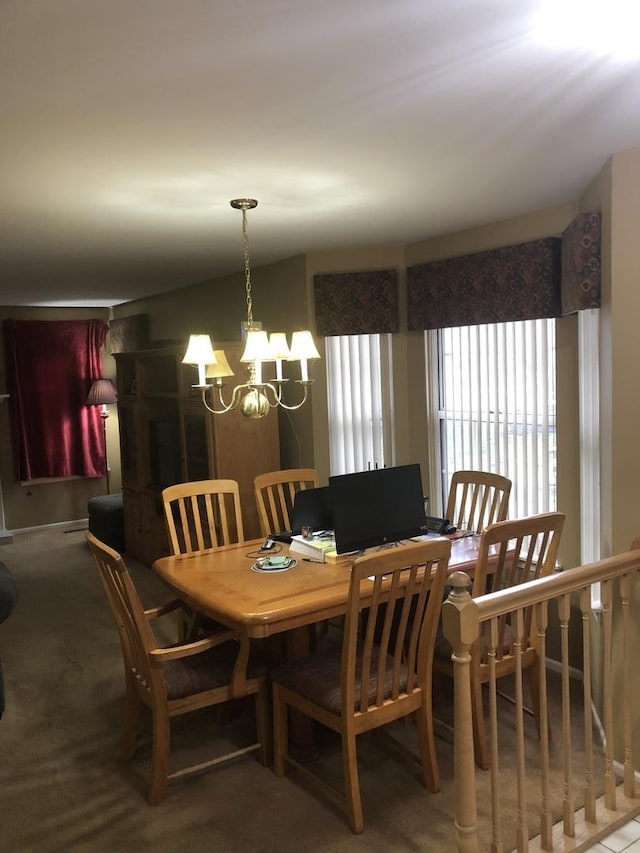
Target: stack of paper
[[314, 548]]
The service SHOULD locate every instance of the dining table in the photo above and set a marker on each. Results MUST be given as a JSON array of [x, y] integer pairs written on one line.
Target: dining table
[[225, 583]]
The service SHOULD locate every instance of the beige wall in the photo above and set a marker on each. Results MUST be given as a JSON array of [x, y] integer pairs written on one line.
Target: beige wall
[[620, 403]]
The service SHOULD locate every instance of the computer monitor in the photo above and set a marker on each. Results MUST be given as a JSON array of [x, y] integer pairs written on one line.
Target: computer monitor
[[377, 507], [311, 508]]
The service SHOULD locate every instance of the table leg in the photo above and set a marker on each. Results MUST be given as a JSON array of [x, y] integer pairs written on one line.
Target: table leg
[[302, 742]]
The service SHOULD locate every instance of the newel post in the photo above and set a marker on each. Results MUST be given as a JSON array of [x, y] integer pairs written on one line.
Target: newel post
[[460, 626]]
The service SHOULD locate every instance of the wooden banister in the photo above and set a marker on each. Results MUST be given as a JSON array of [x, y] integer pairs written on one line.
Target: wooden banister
[[463, 619]]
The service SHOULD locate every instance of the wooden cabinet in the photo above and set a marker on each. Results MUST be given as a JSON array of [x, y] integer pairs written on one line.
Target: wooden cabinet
[[167, 436]]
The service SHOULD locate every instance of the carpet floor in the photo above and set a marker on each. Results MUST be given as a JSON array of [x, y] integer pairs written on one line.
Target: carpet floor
[[64, 787]]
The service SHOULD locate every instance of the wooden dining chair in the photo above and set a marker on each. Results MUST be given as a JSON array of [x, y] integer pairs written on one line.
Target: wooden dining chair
[[368, 684], [477, 499], [202, 514], [177, 679], [274, 493], [510, 553]]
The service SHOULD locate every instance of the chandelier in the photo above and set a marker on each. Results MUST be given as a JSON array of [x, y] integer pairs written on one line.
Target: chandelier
[[255, 397]]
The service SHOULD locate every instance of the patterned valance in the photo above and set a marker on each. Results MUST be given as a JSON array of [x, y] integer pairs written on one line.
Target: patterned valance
[[519, 282], [581, 265], [356, 303]]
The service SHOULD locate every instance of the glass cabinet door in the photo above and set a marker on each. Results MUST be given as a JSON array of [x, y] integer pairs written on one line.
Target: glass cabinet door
[[196, 436]]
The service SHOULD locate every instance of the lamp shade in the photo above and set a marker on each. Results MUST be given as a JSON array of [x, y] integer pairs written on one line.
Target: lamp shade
[[102, 392], [257, 347], [279, 345], [199, 350], [302, 346], [221, 368]]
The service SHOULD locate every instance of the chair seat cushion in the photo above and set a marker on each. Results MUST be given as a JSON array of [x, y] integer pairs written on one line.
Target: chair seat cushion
[[206, 671], [318, 678]]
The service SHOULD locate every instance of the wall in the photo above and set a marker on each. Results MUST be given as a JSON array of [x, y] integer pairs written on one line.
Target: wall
[[619, 188]]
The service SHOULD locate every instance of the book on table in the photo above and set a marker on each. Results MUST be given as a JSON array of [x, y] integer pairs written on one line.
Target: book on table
[[313, 548]]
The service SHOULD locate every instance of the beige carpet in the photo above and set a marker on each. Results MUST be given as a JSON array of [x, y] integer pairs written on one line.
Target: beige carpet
[[64, 788]]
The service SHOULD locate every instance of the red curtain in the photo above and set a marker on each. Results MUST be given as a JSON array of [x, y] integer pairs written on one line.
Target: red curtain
[[50, 365]]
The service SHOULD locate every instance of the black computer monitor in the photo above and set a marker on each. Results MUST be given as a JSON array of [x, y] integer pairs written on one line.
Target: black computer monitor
[[377, 507]]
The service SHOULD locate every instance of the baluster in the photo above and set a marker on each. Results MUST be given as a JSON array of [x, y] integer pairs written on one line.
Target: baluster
[[496, 816], [607, 689], [568, 800], [541, 615], [625, 597], [460, 627], [589, 789], [522, 833]]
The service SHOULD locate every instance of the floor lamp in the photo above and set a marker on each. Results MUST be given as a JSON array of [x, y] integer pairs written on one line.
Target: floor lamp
[[103, 393]]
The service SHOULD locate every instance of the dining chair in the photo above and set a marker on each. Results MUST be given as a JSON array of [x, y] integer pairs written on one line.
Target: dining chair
[[510, 553], [179, 678], [274, 493], [477, 499], [202, 514], [366, 684]]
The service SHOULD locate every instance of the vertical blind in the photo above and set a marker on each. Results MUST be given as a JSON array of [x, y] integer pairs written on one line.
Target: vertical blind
[[497, 407], [359, 396]]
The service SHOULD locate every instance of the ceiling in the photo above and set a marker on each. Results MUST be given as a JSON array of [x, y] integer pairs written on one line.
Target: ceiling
[[128, 125]]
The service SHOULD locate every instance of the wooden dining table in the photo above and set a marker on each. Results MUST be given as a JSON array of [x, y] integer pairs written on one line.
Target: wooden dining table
[[222, 583]]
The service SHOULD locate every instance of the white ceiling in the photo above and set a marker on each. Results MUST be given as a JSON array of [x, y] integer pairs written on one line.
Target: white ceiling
[[128, 125]]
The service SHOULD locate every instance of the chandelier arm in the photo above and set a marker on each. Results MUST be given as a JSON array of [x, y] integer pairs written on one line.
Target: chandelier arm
[[283, 405], [226, 407], [263, 387], [213, 411]]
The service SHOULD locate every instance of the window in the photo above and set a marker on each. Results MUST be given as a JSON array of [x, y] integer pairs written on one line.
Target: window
[[495, 407], [360, 402]]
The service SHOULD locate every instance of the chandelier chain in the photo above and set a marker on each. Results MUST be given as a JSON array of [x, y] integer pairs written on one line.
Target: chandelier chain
[[247, 269]]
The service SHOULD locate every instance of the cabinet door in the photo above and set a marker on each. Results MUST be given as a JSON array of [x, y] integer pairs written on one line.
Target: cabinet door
[[196, 435], [131, 510], [154, 527], [244, 448], [130, 450]]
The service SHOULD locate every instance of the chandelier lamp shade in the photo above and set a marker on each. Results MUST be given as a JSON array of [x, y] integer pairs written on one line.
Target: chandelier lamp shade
[[256, 396]]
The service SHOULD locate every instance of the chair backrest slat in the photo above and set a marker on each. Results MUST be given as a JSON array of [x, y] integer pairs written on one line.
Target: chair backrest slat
[[275, 491], [203, 514], [510, 553], [477, 499], [388, 647]]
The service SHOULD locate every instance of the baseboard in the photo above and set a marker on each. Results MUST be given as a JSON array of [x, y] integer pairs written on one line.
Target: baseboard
[[74, 525]]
